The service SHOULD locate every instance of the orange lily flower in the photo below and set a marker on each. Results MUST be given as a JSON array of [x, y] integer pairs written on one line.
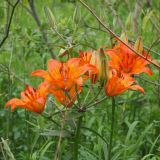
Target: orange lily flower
[[85, 57], [68, 98], [118, 83], [126, 61], [64, 75], [31, 99], [62, 78]]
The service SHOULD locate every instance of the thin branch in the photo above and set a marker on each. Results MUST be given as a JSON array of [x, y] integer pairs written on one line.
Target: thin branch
[[97, 102], [115, 14], [114, 34], [9, 24], [148, 48], [34, 13], [148, 81], [101, 30], [50, 119], [155, 25], [156, 42]]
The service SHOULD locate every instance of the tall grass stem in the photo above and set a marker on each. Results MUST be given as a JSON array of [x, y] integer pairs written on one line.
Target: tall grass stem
[[112, 128], [77, 138]]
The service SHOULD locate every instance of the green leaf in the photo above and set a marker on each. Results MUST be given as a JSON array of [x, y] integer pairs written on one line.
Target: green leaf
[[43, 151], [7, 150], [130, 131], [146, 19], [56, 133]]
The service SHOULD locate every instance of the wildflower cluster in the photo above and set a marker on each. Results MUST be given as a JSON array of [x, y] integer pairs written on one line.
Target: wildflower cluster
[[113, 69]]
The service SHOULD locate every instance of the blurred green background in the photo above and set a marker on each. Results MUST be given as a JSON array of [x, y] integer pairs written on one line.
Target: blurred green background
[[32, 42]]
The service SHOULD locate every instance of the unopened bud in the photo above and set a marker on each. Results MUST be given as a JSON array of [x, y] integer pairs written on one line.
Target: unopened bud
[[138, 46], [103, 69], [124, 38], [50, 17], [99, 59], [76, 15]]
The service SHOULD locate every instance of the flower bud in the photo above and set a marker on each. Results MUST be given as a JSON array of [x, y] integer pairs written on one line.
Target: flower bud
[[124, 38], [50, 17], [138, 46], [99, 59]]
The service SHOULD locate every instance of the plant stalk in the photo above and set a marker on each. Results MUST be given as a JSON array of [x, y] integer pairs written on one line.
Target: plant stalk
[[77, 138], [112, 128], [56, 155]]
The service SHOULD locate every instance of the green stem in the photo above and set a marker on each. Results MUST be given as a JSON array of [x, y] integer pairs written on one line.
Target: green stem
[[95, 97], [56, 155], [112, 128], [77, 138]]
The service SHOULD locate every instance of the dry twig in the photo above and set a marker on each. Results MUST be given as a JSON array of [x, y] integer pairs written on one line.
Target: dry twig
[[9, 23], [114, 34]]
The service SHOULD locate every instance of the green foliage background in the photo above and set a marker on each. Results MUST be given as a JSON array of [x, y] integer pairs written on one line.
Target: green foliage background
[[28, 136]]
